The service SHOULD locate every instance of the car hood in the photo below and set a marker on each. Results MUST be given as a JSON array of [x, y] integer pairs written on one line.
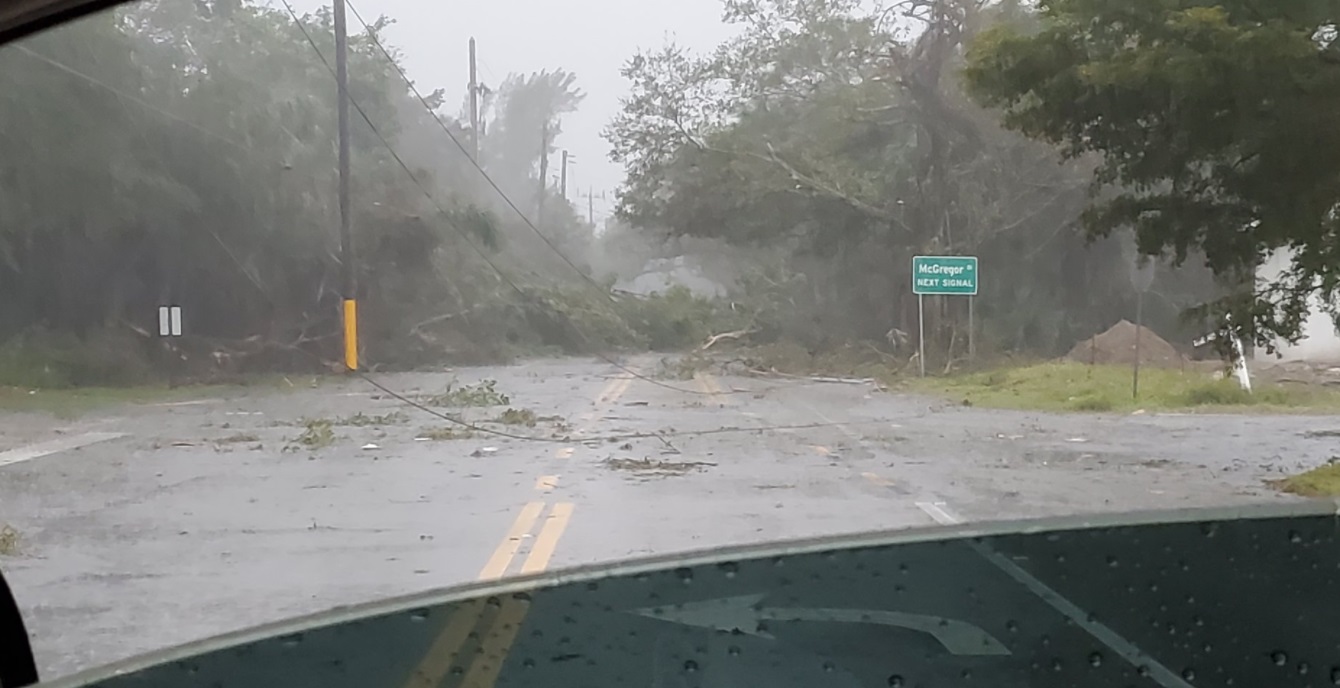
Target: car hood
[[1057, 567]]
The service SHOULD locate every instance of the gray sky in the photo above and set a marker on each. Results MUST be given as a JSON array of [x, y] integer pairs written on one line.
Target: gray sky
[[592, 38]]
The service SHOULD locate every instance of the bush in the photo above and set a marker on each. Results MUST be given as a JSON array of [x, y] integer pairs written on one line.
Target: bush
[[42, 359], [677, 319]]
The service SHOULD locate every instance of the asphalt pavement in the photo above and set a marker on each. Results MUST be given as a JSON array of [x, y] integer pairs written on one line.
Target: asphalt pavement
[[148, 526]]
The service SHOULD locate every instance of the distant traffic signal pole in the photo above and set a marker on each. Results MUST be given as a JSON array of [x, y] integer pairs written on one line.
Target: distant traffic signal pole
[[346, 232]]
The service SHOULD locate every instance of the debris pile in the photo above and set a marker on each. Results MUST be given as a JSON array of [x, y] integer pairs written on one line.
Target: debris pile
[[1117, 346]]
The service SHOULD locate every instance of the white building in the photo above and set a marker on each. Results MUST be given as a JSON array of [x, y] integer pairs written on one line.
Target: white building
[[1320, 342]]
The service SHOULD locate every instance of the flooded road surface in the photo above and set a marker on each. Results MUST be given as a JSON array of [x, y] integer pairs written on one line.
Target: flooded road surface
[[151, 525]]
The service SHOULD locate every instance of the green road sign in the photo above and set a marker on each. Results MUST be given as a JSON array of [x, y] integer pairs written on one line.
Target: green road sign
[[956, 275]]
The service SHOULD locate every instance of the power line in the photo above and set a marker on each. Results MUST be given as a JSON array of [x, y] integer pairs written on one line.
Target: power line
[[480, 252], [495, 186], [400, 161], [465, 151], [609, 438]]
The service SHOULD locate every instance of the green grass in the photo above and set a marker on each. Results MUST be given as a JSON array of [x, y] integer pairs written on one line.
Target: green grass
[[1318, 482], [1083, 388], [71, 402]]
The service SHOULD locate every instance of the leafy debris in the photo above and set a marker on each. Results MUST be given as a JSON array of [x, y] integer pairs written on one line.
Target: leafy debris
[[483, 394]]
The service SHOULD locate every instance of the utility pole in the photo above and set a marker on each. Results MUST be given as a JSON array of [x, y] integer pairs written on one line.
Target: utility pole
[[544, 172], [591, 207], [346, 231], [474, 103], [563, 177]]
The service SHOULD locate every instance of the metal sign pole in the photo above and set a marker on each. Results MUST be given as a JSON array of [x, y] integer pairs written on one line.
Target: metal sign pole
[[921, 332], [972, 340], [1139, 325]]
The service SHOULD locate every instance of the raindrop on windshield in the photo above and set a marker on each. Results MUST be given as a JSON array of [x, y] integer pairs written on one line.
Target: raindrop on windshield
[[419, 615], [1303, 668], [291, 640], [1295, 537], [1279, 658], [685, 575], [733, 650], [690, 666], [1189, 674], [896, 681], [1096, 659], [829, 667], [729, 568], [1335, 675]]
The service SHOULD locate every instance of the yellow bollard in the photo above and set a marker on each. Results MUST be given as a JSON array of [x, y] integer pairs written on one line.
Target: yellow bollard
[[350, 334]]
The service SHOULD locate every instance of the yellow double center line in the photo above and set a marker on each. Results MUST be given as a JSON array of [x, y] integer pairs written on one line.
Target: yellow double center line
[[478, 635]]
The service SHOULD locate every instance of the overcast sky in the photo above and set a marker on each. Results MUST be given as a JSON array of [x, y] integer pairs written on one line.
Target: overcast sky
[[592, 38]]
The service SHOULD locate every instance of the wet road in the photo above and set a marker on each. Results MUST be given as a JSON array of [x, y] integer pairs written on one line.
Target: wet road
[[153, 525]]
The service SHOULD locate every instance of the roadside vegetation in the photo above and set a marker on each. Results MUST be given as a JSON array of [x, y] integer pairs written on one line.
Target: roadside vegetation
[[813, 154], [1323, 481], [1071, 386]]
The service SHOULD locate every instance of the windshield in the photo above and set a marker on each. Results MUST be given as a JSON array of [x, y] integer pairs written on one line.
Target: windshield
[[312, 305]]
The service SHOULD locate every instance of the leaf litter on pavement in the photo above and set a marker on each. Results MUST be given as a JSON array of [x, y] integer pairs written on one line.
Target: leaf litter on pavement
[[655, 468]]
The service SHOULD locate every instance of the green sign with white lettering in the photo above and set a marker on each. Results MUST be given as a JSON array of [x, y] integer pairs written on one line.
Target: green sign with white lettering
[[944, 275]]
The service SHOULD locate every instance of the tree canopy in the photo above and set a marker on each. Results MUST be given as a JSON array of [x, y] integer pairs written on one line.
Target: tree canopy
[[838, 133], [1216, 126], [183, 151]]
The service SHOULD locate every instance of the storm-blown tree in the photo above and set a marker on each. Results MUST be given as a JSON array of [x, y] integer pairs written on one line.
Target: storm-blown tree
[[183, 151], [1217, 124], [525, 118], [841, 134]]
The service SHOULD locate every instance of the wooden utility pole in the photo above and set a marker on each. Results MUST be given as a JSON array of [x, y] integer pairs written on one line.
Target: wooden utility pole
[[563, 177], [544, 172], [591, 207], [346, 229], [474, 104]]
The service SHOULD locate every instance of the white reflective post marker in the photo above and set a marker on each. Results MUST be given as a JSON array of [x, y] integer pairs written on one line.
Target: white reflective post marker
[[169, 321]]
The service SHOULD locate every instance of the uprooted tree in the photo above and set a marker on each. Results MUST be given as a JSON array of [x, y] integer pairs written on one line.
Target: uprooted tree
[[183, 151], [1216, 127], [842, 133]]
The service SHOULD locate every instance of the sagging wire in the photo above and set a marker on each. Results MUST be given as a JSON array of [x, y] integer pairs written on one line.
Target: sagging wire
[[506, 199]]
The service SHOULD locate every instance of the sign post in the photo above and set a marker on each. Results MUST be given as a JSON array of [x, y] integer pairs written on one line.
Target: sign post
[[1142, 278], [943, 276], [169, 326]]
